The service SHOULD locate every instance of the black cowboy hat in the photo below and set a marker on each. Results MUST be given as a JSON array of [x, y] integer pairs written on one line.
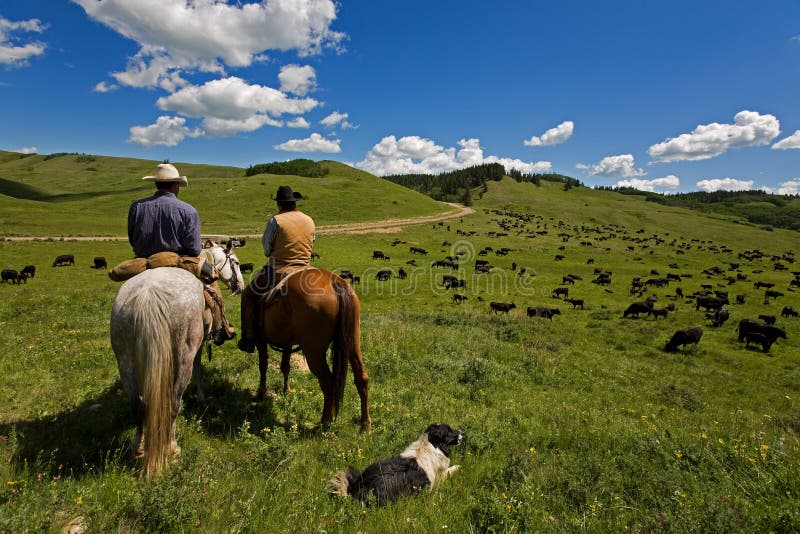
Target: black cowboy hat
[[285, 194]]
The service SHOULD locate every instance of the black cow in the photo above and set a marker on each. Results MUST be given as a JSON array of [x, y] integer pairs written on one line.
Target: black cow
[[29, 271], [418, 250], [761, 339], [501, 307], [64, 259], [660, 312], [576, 303], [748, 325], [788, 311], [768, 319], [769, 293], [684, 337], [10, 275], [561, 291], [720, 316], [99, 262], [567, 280], [347, 275], [542, 311], [401, 273], [709, 303], [636, 308], [378, 255], [383, 275], [740, 299], [759, 285], [458, 298], [246, 267]]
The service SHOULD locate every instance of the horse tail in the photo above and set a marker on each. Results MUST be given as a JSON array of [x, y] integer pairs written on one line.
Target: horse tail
[[156, 375], [345, 338]]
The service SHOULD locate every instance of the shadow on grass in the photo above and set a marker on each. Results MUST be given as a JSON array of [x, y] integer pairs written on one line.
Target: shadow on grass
[[23, 191], [85, 439]]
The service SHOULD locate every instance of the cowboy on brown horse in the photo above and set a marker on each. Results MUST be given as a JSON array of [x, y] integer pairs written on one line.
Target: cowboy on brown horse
[[162, 223], [287, 241]]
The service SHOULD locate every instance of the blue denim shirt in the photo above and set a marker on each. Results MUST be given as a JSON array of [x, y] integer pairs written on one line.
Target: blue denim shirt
[[163, 223]]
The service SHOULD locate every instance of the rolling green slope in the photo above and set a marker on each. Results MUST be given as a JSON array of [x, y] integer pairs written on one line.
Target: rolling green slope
[[89, 195]]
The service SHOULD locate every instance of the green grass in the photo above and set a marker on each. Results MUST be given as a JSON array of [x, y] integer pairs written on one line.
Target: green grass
[[582, 423], [73, 196]]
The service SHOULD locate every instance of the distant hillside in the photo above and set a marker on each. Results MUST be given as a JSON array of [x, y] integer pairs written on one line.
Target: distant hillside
[[754, 206], [458, 185], [80, 194]]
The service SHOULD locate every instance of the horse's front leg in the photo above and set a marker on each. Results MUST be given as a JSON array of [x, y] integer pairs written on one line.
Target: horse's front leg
[[285, 368], [263, 360]]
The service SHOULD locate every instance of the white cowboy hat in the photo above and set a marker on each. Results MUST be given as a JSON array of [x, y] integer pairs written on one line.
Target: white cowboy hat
[[166, 172]]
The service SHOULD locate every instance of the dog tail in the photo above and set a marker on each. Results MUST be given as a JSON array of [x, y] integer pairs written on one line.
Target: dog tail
[[342, 483]]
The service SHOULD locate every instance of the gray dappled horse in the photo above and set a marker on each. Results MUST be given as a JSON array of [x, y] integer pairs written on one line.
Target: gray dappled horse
[[158, 327]]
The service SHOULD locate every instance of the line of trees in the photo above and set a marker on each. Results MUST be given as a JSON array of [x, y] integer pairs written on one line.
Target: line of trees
[[295, 167], [458, 185]]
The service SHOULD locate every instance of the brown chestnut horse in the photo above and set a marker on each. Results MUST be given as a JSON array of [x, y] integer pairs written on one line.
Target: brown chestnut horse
[[317, 308]]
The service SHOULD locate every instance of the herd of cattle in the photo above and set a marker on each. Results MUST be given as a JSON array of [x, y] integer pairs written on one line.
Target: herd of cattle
[[714, 302], [29, 271]]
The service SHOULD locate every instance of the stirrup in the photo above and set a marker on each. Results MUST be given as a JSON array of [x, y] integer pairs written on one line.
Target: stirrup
[[221, 336]]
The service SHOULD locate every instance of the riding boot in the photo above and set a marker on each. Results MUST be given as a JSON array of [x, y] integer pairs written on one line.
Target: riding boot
[[222, 330]]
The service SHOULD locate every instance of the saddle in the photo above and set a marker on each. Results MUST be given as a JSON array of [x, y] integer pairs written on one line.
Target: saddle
[[280, 288], [199, 267]]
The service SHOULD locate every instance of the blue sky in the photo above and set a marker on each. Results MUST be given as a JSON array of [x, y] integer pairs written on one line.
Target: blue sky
[[665, 96]]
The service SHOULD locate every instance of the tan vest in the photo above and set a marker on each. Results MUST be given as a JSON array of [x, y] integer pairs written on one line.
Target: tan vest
[[294, 241]]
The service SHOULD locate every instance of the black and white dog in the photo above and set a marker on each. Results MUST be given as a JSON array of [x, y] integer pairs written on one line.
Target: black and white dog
[[425, 463]]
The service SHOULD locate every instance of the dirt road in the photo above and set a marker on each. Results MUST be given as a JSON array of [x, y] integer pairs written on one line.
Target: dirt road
[[385, 226]]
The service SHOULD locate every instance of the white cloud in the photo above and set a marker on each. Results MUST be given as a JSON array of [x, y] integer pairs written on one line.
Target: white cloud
[[792, 187], [622, 166], [27, 150], [706, 141], [725, 184], [667, 182], [103, 87], [553, 136], [417, 155], [793, 141], [14, 52], [167, 131], [314, 143], [298, 122], [298, 80], [231, 105], [178, 35], [337, 118]]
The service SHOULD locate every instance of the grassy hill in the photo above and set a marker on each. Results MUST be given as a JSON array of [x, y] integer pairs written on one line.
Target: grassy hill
[[89, 195], [579, 423]]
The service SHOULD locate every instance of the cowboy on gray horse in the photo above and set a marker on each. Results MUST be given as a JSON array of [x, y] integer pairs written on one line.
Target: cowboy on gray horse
[[162, 223], [287, 241]]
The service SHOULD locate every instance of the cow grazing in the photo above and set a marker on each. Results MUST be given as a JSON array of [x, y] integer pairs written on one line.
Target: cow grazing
[[418, 250], [740, 299], [686, 336], [636, 308], [567, 280], [99, 262], [29, 271], [719, 317], [402, 274], [759, 338], [246, 267], [347, 275], [458, 298], [64, 259], [378, 255], [748, 325], [561, 291], [10, 275], [542, 311], [788, 311], [501, 307], [383, 275], [767, 285], [769, 293], [768, 319], [709, 303], [660, 312], [576, 303]]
